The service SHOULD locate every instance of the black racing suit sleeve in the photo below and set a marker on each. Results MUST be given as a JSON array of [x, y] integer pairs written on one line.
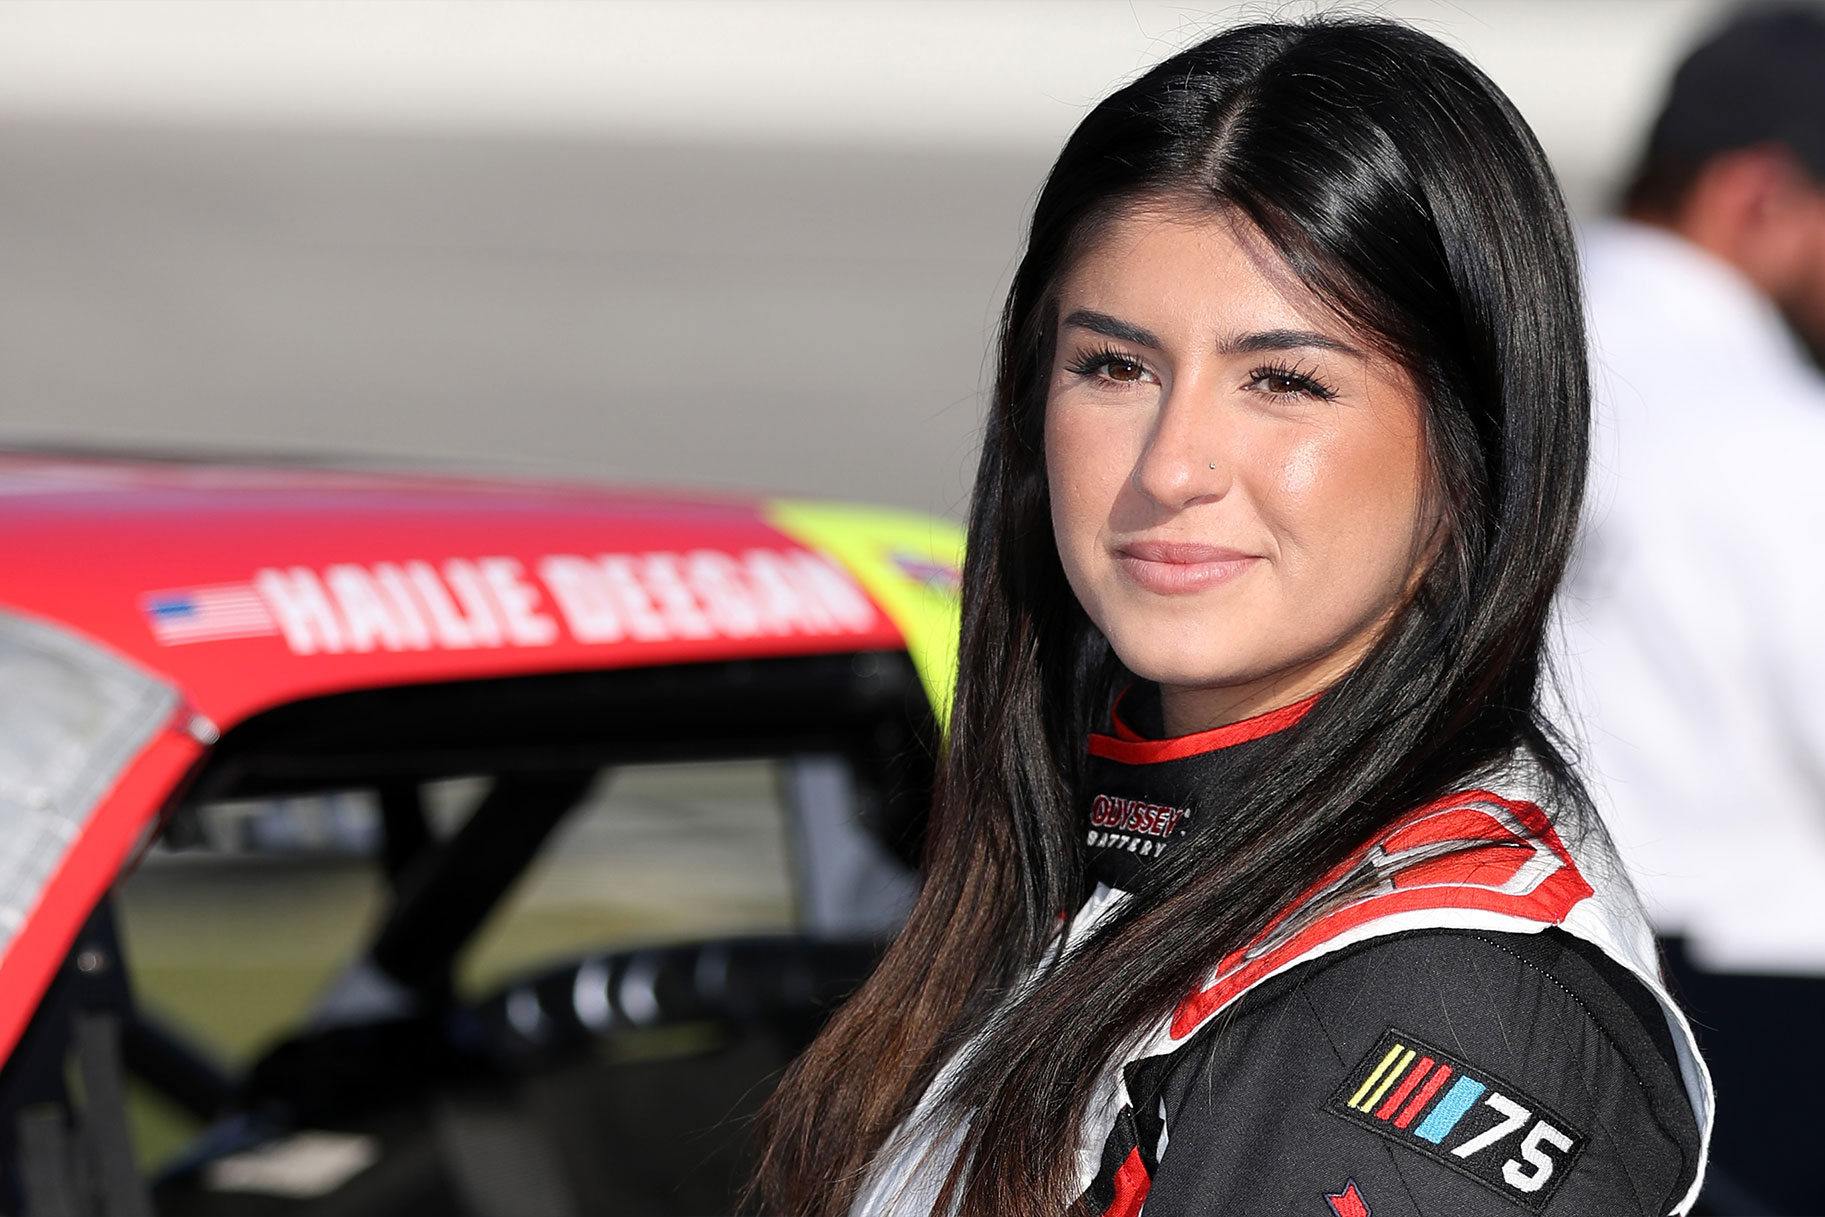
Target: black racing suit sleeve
[[1277, 1107]]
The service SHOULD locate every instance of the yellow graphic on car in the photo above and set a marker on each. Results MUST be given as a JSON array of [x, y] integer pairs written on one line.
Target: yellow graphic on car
[[908, 562]]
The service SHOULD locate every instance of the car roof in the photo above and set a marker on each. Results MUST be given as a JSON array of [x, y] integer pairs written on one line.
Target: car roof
[[148, 606], [249, 585]]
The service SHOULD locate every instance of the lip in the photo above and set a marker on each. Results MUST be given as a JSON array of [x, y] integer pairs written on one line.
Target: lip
[[1176, 568]]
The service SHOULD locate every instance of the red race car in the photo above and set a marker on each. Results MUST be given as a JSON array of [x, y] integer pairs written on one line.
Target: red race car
[[399, 844]]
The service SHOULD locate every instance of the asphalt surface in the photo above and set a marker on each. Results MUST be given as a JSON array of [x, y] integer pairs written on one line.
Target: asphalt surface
[[809, 320]]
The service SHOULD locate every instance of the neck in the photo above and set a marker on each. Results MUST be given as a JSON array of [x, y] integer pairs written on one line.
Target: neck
[[1186, 710]]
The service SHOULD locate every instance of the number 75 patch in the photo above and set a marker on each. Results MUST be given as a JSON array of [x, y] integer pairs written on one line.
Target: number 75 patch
[[1464, 1118]]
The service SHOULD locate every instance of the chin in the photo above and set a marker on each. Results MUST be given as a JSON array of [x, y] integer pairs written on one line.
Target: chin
[[1180, 666]]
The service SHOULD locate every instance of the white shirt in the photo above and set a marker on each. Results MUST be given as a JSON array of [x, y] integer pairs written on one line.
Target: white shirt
[[1695, 614]]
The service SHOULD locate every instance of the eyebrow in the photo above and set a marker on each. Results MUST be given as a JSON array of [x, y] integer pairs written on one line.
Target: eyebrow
[[1284, 340], [1243, 344], [1111, 327]]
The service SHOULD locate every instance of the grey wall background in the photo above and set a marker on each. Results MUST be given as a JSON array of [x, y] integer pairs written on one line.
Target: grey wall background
[[796, 318], [751, 246]]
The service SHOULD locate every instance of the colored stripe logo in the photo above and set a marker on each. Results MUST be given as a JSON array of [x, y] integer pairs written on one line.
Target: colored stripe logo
[[1409, 1082], [1415, 1095], [1364, 1104], [1446, 1115]]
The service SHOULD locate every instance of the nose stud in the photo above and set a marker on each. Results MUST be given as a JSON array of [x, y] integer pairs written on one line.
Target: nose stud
[[1213, 464]]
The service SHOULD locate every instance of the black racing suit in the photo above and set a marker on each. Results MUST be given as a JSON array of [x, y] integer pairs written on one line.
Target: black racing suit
[[1448, 1073]]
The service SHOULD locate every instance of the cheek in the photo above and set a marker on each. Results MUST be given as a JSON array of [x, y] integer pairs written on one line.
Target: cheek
[[1085, 471], [1347, 506], [1302, 474]]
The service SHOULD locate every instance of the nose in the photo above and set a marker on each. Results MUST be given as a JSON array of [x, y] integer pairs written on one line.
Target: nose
[[1185, 460]]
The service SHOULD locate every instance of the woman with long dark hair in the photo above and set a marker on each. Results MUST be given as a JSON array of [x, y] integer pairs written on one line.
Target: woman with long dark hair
[[1255, 882]]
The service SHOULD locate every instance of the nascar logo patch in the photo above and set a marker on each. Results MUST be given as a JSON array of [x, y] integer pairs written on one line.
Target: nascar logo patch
[[1461, 1117]]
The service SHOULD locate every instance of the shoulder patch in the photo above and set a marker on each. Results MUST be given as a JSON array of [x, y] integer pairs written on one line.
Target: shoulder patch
[[1461, 1117]]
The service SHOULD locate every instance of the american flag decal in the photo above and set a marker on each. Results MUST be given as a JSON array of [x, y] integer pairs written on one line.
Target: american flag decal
[[207, 614]]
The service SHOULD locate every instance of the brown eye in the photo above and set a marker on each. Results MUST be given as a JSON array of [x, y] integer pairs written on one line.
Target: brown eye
[[1106, 366], [1288, 382]]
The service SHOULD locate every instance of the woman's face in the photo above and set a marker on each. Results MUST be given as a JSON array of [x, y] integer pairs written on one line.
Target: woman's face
[[1238, 483]]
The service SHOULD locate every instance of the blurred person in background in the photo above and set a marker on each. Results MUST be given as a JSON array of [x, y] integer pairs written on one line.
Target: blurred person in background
[[1696, 611]]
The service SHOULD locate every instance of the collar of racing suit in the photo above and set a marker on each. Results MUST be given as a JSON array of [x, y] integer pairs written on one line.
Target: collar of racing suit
[[1143, 792]]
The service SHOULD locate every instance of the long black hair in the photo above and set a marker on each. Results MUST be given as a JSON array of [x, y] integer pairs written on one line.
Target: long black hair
[[1403, 189]]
